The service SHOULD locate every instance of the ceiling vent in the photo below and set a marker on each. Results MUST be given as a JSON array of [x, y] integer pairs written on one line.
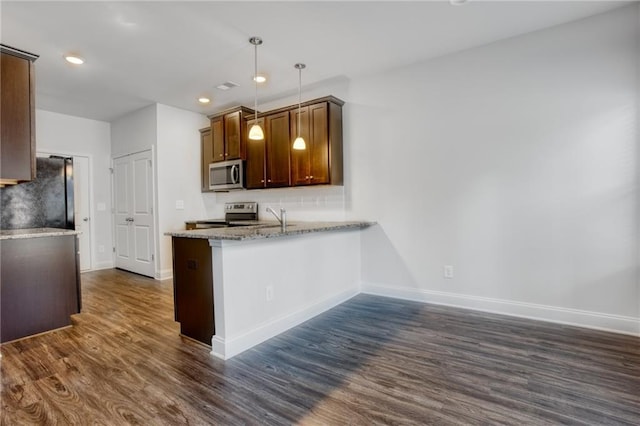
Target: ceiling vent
[[228, 85]]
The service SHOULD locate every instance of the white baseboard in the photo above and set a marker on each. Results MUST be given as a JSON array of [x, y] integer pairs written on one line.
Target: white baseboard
[[588, 319], [230, 347], [164, 274], [98, 266]]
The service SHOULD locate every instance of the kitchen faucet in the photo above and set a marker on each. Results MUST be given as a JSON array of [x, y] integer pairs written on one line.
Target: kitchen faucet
[[282, 218]]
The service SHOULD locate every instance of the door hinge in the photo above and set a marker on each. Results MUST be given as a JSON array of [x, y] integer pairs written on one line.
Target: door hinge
[[111, 170], [114, 249], [153, 257]]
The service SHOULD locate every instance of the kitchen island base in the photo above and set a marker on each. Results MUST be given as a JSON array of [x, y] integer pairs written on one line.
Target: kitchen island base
[[39, 285], [265, 287]]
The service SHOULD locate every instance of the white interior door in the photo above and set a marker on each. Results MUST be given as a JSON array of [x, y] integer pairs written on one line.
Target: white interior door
[[82, 209], [133, 213]]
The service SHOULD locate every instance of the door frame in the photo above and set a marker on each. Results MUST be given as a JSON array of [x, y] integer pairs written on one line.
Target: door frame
[[92, 213], [154, 203]]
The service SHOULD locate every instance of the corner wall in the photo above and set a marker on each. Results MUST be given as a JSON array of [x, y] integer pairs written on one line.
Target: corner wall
[[517, 164]]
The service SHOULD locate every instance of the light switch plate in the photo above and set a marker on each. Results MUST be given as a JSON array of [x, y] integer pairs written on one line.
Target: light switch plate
[[179, 204]]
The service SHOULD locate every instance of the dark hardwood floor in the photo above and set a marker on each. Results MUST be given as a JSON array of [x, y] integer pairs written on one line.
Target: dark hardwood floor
[[369, 361]]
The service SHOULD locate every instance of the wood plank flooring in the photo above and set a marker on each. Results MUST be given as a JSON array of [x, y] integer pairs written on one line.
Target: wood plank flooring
[[369, 361]]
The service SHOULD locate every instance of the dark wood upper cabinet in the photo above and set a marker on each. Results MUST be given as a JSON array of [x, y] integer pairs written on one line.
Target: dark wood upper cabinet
[[321, 128], [271, 162], [17, 120], [255, 165], [206, 155], [217, 139], [229, 134], [277, 142]]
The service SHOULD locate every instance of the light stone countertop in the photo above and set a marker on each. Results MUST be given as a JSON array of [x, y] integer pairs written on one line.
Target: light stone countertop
[[267, 230], [13, 234]]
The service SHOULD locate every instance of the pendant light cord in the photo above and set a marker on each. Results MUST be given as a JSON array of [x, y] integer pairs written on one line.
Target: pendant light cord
[[255, 79], [299, 97]]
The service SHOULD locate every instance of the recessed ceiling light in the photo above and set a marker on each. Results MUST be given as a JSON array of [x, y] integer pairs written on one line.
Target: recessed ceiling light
[[458, 2], [204, 100], [74, 59], [260, 79]]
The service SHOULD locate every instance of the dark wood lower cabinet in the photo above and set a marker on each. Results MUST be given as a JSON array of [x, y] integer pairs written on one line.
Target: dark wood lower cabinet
[[193, 288], [39, 285]]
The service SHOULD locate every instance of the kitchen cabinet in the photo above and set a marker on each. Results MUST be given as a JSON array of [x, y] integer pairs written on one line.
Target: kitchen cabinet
[[321, 128], [229, 134], [193, 288], [17, 121], [39, 284], [268, 160], [277, 143], [206, 156], [256, 160]]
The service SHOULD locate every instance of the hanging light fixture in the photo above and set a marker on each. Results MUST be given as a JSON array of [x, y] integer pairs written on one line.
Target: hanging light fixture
[[255, 132], [299, 143]]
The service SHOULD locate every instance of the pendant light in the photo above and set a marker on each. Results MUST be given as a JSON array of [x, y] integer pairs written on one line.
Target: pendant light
[[256, 133], [299, 143]]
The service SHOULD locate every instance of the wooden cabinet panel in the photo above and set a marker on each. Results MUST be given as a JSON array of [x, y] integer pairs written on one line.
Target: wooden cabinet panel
[[256, 160], [233, 136], [206, 155], [217, 138], [319, 144], [193, 288], [277, 149], [39, 285], [300, 159], [17, 133], [321, 128]]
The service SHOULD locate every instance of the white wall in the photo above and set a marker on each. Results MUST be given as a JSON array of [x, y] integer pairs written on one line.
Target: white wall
[[134, 132], [178, 176], [68, 135], [519, 167]]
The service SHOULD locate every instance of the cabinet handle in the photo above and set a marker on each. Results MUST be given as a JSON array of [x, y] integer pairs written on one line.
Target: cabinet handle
[[306, 177], [269, 180], [261, 180], [226, 154], [221, 155], [310, 177]]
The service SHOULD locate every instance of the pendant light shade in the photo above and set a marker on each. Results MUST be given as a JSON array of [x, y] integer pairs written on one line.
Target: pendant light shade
[[299, 143], [255, 132]]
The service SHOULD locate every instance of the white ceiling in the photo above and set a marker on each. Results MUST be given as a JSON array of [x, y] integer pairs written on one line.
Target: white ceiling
[[138, 53]]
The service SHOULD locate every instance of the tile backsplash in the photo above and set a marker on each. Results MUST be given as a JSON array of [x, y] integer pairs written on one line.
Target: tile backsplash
[[301, 203]]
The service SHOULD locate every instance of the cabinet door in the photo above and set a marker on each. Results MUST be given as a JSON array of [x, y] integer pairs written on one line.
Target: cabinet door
[[232, 135], [17, 130], [300, 159], [319, 144], [277, 149], [255, 165], [206, 153], [193, 288], [217, 138]]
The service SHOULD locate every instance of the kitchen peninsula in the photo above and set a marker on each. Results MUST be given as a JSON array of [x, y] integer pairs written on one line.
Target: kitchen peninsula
[[261, 280], [39, 281]]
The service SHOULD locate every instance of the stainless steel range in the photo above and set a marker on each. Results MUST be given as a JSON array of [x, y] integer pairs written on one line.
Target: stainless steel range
[[242, 213]]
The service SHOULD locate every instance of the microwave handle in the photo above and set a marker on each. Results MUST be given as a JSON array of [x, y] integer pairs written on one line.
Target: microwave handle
[[234, 174]]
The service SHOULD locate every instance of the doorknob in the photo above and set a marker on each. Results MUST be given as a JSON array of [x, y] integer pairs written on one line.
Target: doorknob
[[86, 219]]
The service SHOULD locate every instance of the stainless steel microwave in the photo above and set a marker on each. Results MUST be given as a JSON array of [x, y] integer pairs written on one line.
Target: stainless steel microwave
[[226, 175]]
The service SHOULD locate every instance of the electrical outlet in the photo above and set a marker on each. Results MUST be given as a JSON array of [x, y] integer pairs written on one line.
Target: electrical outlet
[[448, 271], [269, 293], [179, 204]]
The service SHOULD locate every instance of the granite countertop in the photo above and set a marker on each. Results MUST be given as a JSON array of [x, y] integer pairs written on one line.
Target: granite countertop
[[263, 230], [13, 234]]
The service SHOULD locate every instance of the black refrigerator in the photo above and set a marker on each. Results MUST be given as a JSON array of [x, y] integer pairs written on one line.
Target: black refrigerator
[[45, 202]]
